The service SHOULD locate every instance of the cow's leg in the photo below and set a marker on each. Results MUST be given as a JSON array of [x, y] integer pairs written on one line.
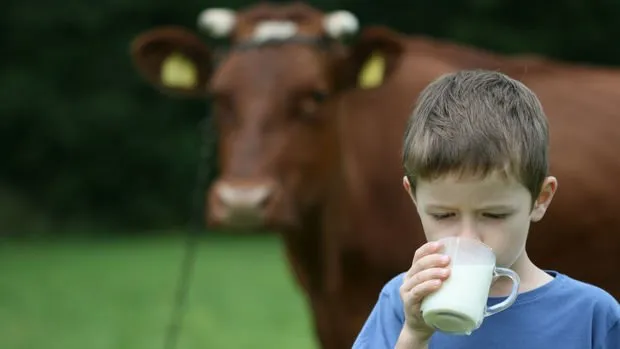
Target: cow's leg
[[338, 318], [357, 299], [302, 260], [336, 323], [325, 315], [321, 321], [329, 327]]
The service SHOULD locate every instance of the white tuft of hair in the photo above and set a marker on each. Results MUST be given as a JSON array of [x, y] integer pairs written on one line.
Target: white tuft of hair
[[339, 23], [218, 22], [274, 30]]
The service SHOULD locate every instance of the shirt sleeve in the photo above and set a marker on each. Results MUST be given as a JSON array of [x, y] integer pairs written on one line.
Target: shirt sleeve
[[612, 340], [384, 324]]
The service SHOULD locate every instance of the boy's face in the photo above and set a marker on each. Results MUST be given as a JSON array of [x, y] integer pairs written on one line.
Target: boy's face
[[495, 210]]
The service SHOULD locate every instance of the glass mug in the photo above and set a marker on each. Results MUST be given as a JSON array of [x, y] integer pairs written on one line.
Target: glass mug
[[460, 305]]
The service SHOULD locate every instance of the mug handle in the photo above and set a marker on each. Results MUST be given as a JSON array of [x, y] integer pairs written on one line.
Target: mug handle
[[499, 272]]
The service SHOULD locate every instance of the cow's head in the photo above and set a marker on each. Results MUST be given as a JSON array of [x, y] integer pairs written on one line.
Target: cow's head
[[281, 65]]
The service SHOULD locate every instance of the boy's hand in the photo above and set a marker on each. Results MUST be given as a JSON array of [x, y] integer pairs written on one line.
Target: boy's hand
[[427, 273]]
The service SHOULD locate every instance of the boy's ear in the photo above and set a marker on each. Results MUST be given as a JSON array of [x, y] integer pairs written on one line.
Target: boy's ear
[[549, 188], [408, 189], [371, 60], [174, 60]]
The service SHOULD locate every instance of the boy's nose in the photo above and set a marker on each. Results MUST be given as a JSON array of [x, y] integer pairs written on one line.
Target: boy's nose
[[469, 231]]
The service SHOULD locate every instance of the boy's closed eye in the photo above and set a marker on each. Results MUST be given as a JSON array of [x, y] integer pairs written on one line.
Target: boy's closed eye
[[440, 216], [496, 215]]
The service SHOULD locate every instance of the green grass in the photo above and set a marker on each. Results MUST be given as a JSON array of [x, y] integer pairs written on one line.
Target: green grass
[[119, 294]]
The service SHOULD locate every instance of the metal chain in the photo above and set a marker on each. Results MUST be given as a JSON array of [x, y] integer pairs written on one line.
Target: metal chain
[[203, 175]]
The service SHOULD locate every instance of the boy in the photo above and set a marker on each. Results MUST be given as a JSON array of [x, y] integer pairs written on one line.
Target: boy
[[475, 158]]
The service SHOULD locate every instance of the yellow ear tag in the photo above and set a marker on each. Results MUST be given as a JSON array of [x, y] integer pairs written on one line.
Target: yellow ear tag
[[178, 71], [372, 72]]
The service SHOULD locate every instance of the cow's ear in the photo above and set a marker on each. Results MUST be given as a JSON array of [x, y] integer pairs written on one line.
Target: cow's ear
[[174, 60], [372, 59]]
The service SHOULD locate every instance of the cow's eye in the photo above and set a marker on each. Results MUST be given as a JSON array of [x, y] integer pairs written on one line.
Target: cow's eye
[[310, 102], [318, 96], [307, 106]]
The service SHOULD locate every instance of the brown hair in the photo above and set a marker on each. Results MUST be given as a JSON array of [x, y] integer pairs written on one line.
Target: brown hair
[[475, 122]]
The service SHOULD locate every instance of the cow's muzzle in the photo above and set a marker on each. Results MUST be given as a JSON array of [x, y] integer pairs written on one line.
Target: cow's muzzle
[[240, 203]]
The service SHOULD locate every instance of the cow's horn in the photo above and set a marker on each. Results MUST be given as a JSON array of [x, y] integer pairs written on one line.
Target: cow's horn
[[218, 22], [339, 23]]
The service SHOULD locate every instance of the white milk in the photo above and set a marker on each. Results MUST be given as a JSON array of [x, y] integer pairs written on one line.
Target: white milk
[[459, 305]]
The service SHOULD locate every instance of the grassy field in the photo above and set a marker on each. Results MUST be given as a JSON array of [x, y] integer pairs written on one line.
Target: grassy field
[[119, 293]]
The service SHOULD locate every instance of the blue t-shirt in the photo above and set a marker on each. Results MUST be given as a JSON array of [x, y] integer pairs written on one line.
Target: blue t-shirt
[[564, 313]]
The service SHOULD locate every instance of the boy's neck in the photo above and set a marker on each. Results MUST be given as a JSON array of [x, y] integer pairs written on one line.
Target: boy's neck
[[531, 277]]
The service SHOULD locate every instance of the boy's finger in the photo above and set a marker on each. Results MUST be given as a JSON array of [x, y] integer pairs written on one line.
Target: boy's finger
[[422, 290], [426, 249], [426, 262]]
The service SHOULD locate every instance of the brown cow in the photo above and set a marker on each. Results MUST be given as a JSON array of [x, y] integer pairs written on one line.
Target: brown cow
[[304, 151]]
